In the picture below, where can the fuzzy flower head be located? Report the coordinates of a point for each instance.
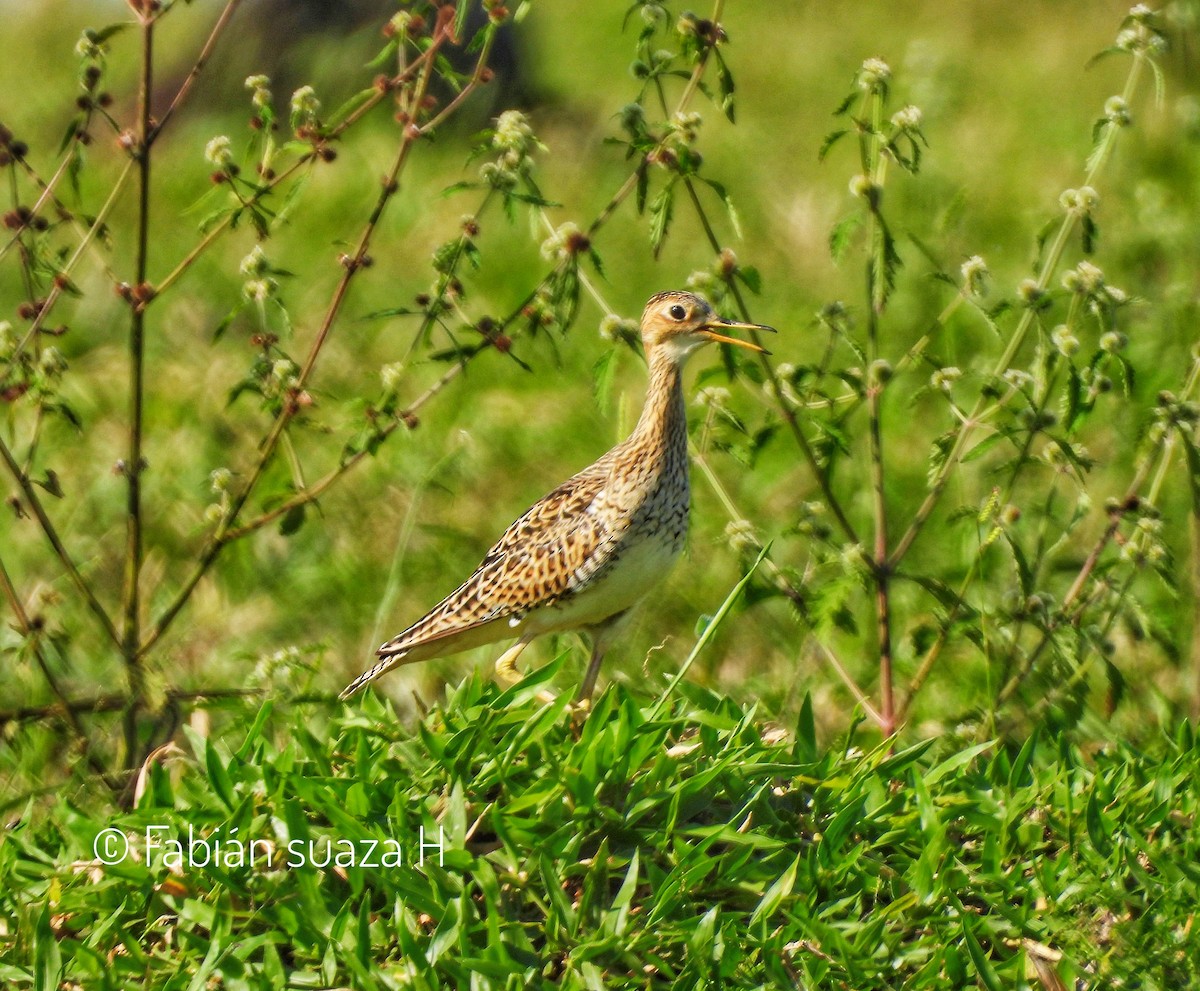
(219, 152)
(712, 396)
(873, 75)
(391, 375)
(1018, 378)
(687, 126)
(975, 275)
(907, 119)
(1081, 202)
(1138, 33)
(565, 243)
(515, 141)
(220, 479)
(255, 264)
(260, 90)
(8, 339)
(741, 535)
(1066, 343)
(52, 363)
(1116, 111)
(944, 378)
(87, 47)
(705, 283)
(285, 371)
(304, 107)
(1031, 294)
(513, 132)
(1113, 341)
(615, 328)
(259, 290)
(1085, 279)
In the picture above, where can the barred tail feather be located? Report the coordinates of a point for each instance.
(385, 663)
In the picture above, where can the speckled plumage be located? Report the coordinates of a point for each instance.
(581, 557)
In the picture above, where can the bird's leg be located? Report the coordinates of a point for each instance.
(602, 635)
(584, 699)
(506, 667)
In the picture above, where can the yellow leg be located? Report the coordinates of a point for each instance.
(507, 672)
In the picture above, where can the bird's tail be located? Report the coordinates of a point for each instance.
(381, 667)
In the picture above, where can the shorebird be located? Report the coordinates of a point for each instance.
(584, 556)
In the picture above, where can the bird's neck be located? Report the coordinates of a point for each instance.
(664, 418)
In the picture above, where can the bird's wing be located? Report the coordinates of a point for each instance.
(536, 562)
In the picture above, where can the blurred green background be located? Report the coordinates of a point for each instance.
(1008, 106)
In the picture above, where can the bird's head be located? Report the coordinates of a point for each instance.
(680, 322)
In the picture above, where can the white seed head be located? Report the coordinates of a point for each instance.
(975, 274)
(219, 151)
(219, 479)
(1029, 292)
(944, 378)
(391, 376)
(305, 102)
(1064, 341)
(1113, 341)
(874, 72)
(555, 247)
(1018, 378)
(254, 264)
(258, 290)
(687, 126)
(713, 396)
(1116, 111)
(741, 535)
(52, 362)
(907, 119)
(513, 132)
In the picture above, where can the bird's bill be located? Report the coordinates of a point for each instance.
(712, 334)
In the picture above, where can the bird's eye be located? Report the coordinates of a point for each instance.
(677, 312)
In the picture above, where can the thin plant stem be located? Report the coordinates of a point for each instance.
(185, 88)
(709, 632)
(69, 266)
(785, 410)
(135, 463)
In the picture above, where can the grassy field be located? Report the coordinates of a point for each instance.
(975, 481)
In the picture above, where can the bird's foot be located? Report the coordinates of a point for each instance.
(580, 709)
(507, 672)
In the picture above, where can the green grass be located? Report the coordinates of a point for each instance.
(702, 847)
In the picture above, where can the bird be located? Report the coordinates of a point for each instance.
(582, 557)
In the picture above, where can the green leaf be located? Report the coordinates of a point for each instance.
(293, 519)
(47, 957)
(955, 761)
(661, 210)
(218, 776)
(725, 87)
(983, 966)
(841, 235)
(775, 894)
(830, 140)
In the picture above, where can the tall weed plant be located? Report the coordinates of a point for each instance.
(977, 500)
